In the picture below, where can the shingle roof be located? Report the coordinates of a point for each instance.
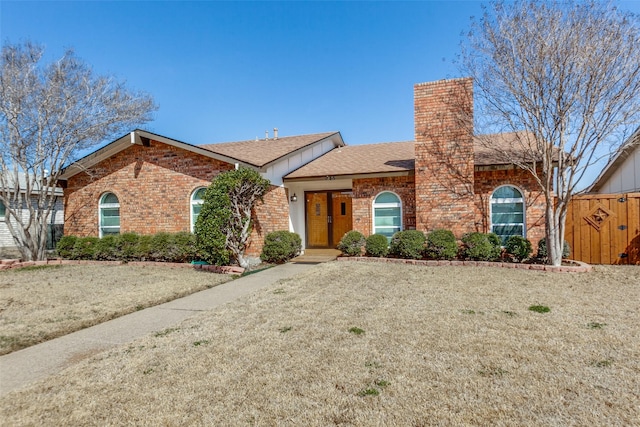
(361, 159)
(391, 157)
(262, 152)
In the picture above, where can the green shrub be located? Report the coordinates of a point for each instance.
(65, 245)
(184, 248)
(143, 248)
(126, 246)
(376, 245)
(84, 248)
(542, 249)
(518, 247)
(407, 244)
(105, 249)
(159, 247)
(280, 246)
(480, 246)
(351, 243)
(441, 244)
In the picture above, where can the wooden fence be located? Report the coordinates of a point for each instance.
(604, 228)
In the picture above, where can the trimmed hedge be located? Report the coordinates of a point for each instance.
(162, 247)
(351, 243)
(407, 244)
(376, 245)
(518, 247)
(280, 246)
(441, 244)
(481, 246)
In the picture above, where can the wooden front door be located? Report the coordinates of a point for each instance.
(328, 217)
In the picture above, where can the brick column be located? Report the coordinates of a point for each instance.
(444, 155)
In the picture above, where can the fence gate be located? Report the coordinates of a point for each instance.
(604, 228)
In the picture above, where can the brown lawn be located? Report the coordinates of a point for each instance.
(371, 344)
(41, 303)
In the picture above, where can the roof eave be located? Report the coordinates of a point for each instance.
(329, 177)
(136, 137)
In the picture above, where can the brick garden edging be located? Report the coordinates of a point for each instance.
(6, 264)
(580, 268)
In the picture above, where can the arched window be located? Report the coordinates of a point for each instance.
(197, 198)
(387, 214)
(507, 212)
(109, 208)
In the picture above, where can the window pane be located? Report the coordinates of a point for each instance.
(507, 207)
(109, 198)
(388, 232)
(199, 195)
(110, 217)
(387, 216)
(107, 231)
(387, 198)
(507, 192)
(3, 210)
(505, 231)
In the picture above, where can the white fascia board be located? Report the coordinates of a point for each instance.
(335, 138)
(354, 176)
(134, 137)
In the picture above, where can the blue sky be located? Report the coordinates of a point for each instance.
(228, 71)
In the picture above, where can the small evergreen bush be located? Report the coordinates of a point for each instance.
(183, 247)
(480, 246)
(518, 247)
(64, 248)
(143, 248)
(159, 247)
(351, 243)
(542, 249)
(441, 244)
(376, 245)
(126, 246)
(105, 249)
(280, 246)
(407, 244)
(84, 248)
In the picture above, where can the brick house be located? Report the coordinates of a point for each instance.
(321, 188)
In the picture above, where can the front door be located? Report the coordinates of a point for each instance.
(328, 217)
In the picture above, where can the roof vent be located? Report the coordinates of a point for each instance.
(275, 133)
(266, 135)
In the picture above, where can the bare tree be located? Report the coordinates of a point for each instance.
(567, 72)
(49, 114)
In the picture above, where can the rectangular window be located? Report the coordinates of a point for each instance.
(343, 208)
(3, 211)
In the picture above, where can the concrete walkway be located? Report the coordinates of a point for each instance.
(21, 368)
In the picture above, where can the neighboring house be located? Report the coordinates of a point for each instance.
(321, 188)
(8, 248)
(622, 173)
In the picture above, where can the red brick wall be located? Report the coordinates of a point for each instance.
(272, 215)
(365, 191)
(485, 184)
(153, 185)
(444, 155)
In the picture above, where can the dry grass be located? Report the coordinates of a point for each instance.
(40, 303)
(369, 344)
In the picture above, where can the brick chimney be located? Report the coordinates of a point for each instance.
(444, 155)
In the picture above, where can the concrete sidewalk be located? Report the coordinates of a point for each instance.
(21, 368)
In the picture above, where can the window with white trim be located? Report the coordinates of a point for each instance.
(109, 209)
(507, 212)
(197, 199)
(387, 214)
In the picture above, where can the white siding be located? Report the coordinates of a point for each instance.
(6, 240)
(626, 179)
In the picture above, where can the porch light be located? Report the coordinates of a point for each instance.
(294, 198)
